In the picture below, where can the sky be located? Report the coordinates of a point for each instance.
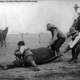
(31, 17)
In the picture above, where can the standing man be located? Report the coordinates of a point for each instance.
(58, 38)
(75, 34)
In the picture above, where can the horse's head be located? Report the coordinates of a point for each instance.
(6, 29)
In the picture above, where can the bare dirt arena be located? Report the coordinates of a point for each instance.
(51, 71)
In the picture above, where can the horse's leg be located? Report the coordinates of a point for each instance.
(5, 43)
(1, 43)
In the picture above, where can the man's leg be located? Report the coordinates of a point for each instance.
(8, 66)
(53, 50)
(75, 53)
(77, 50)
(58, 45)
(16, 63)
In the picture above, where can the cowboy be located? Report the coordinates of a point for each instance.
(74, 45)
(24, 57)
(74, 32)
(58, 38)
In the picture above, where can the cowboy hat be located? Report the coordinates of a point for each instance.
(76, 6)
(51, 26)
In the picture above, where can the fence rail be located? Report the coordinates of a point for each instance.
(31, 40)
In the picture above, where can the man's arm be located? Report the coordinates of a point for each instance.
(73, 43)
(54, 38)
(74, 23)
(17, 55)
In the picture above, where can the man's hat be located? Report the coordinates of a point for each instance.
(21, 43)
(76, 6)
(50, 26)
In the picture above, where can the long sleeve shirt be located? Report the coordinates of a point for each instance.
(21, 55)
(73, 43)
(57, 35)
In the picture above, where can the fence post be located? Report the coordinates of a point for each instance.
(39, 38)
(22, 36)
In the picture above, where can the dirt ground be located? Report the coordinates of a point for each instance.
(51, 71)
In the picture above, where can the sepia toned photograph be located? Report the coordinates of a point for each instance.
(39, 40)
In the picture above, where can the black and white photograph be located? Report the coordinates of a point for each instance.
(39, 39)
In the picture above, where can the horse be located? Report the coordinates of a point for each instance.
(3, 35)
(44, 55)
